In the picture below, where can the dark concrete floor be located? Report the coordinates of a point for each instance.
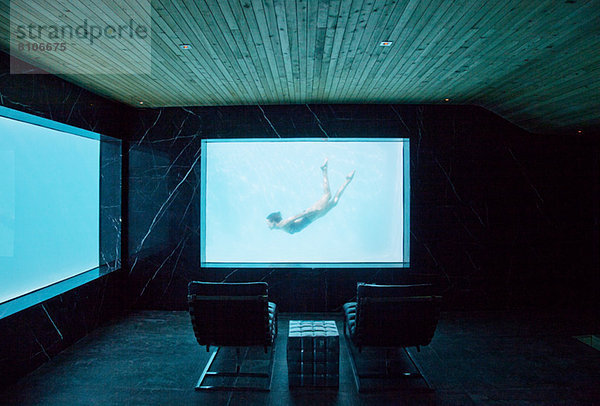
(152, 358)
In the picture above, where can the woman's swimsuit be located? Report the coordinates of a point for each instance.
(298, 224)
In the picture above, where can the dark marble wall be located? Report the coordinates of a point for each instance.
(500, 218)
(32, 336)
(163, 218)
(110, 204)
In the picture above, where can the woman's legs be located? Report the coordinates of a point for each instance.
(324, 200)
(343, 187)
(326, 190)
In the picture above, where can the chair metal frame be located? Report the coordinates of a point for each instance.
(207, 373)
(387, 374)
(237, 374)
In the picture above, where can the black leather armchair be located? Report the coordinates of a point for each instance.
(391, 316)
(232, 315)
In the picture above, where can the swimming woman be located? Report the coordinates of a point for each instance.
(319, 209)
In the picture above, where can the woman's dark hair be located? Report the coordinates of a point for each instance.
(275, 217)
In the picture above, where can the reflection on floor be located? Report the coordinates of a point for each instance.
(152, 358)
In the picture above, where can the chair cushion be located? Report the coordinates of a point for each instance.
(272, 321)
(350, 317)
(379, 291)
(393, 315)
(227, 289)
(232, 314)
(272, 309)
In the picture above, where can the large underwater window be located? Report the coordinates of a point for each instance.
(50, 208)
(310, 202)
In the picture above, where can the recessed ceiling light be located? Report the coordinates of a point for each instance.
(579, 131)
(141, 102)
(446, 100)
(385, 43)
(185, 46)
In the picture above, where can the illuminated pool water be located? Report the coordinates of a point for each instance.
(49, 206)
(246, 180)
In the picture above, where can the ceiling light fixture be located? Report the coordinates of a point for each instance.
(185, 46)
(385, 43)
(141, 102)
(446, 100)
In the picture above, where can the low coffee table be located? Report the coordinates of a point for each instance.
(313, 353)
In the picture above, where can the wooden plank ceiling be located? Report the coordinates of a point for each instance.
(535, 63)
